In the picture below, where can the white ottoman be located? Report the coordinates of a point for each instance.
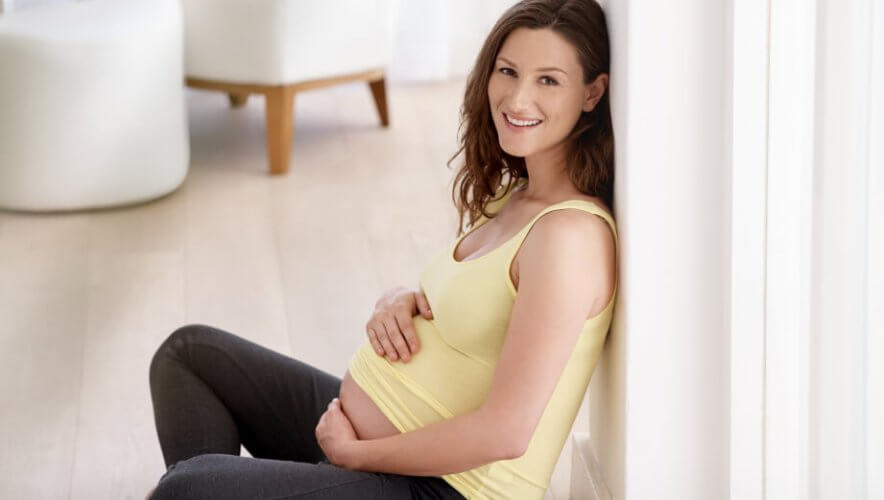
(92, 106)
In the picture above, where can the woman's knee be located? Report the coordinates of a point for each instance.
(186, 479)
(174, 343)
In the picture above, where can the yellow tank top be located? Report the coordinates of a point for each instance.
(451, 373)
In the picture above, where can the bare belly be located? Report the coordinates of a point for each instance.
(367, 419)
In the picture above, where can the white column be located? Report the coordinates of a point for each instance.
(661, 426)
(790, 192)
(748, 246)
(874, 333)
(846, 277)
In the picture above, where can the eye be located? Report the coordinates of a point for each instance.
(548, 80)
(507, 71)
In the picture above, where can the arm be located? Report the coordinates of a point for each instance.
(566, 275)
(445, 447)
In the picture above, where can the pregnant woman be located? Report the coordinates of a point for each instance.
(468, 385)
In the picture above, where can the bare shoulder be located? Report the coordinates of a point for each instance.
(576, 243)
(580, 230)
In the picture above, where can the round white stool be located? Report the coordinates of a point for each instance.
(92, 106)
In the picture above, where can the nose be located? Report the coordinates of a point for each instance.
(521, 96)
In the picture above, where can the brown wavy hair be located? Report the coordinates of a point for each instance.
(590, 149)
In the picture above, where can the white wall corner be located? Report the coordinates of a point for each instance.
(587, 478)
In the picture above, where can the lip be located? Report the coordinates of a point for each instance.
(517, 117)
(516, 128)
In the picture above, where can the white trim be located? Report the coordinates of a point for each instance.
(874, 319)
(837, 402)
(790, 187)
(748, 211)
(587, 478)
(861, 64)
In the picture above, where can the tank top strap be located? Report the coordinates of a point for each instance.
(500, 198)
(584, 205)
(495, 203)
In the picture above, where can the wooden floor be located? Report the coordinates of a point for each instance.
(294, 263)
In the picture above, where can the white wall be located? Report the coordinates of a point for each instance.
(432, 40)
(660, 401)
(745, 359)
(22, 5)
(435, 40)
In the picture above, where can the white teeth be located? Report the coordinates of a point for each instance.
(521, 123)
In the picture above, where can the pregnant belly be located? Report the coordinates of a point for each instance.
(368, 420)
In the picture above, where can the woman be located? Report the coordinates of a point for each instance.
(474, 398)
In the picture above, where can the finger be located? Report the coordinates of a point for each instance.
(373, 338)
(423, 305)
(388, 347)
(406, 326)
(380, 333)
(395, 337)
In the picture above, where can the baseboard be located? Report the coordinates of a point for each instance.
(587, 479)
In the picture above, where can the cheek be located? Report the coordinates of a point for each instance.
(568, 110)
(494, 91)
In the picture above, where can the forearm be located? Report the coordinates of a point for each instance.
(445, 447)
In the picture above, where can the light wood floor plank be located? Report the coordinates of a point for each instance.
(43, 265)
(135, 301)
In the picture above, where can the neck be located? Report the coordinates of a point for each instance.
(547, 176)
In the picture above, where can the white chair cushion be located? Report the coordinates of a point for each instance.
(275, 42)
(92, 109)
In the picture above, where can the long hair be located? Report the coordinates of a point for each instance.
(590, 145)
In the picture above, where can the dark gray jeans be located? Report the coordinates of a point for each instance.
(212, 391)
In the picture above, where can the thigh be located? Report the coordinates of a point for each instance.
(219, 477)
(275, 400)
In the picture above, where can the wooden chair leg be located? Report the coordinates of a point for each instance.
(279, 108)
(237, 100)
(379, 92)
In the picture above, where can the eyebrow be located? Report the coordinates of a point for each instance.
(548, 68)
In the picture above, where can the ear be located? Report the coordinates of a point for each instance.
(594, 92)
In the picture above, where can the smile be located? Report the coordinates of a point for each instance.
(521, 123)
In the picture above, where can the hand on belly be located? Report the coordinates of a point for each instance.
(368, 420)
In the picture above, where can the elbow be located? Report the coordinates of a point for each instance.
(512, 445)
(509, 441)
(515, 450)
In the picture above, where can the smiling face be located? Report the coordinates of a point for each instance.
(536, 91)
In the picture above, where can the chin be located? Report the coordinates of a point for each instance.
(516, 150)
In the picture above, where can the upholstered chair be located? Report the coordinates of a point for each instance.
(278, 48)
